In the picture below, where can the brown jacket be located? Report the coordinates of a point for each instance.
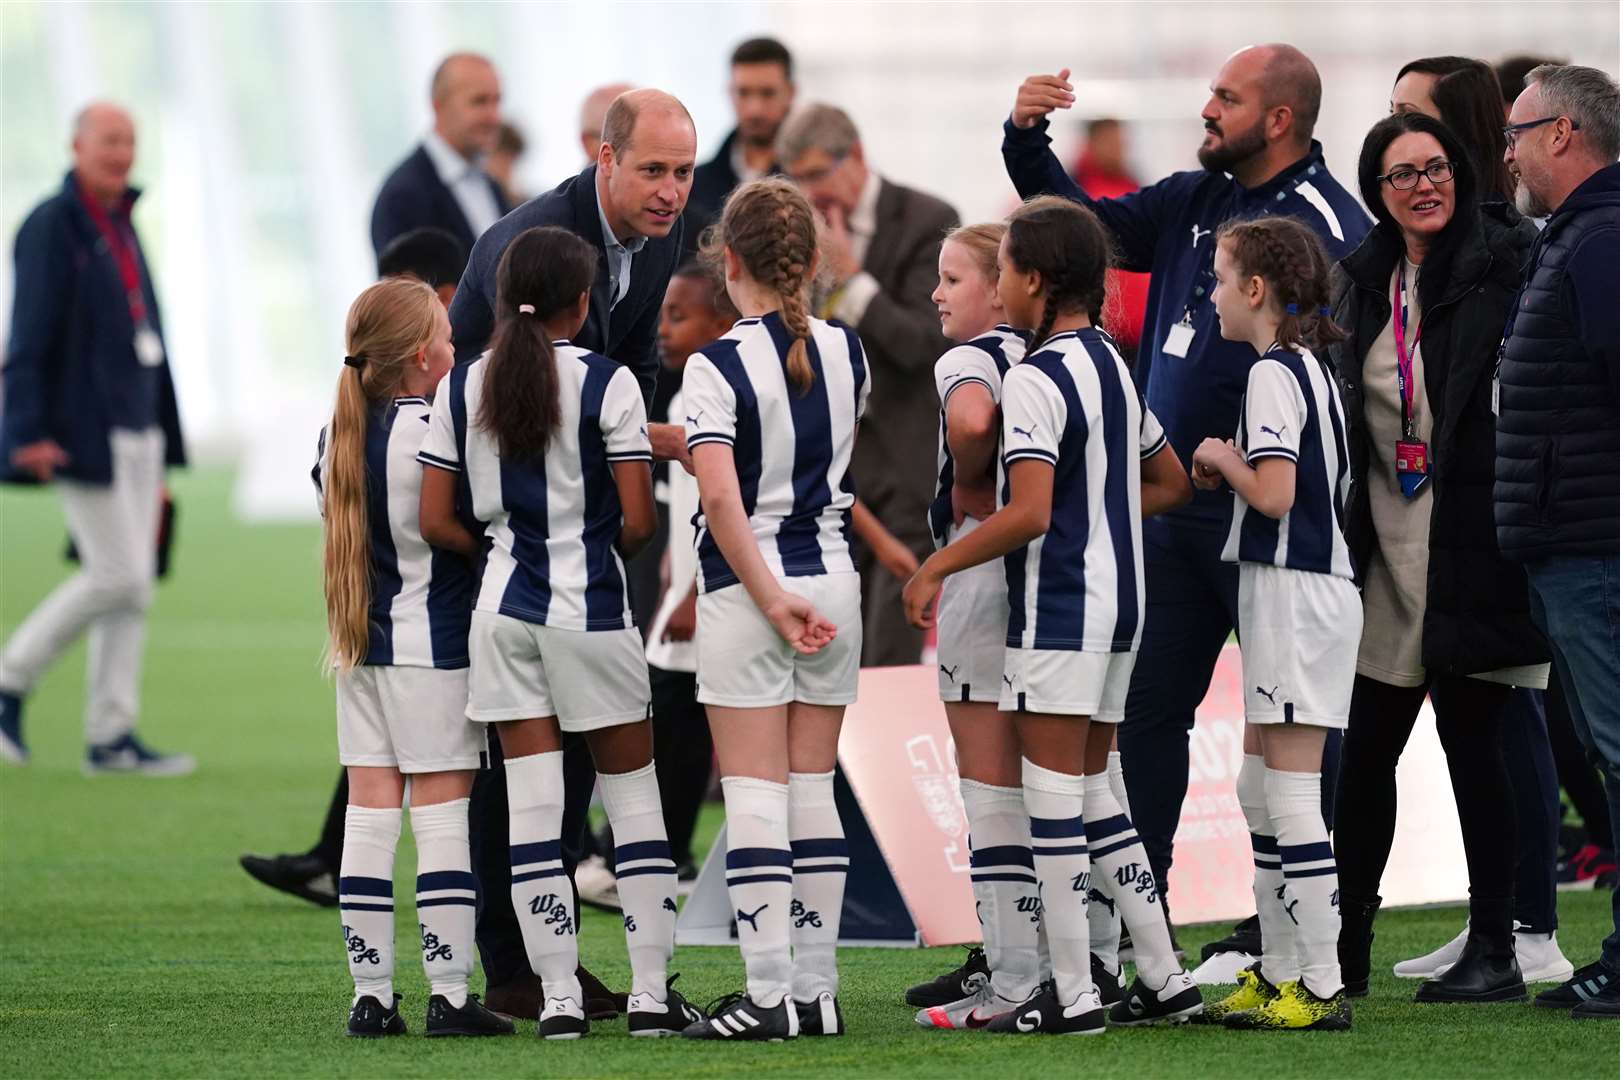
(894, 464)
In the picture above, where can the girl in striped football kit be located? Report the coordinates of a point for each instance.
(1084, 461)
(771, 411)
(549, 443)
(972, 630)
(1289, 471)
(396, 613)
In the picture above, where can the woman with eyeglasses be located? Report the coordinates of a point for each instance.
(1424, 299)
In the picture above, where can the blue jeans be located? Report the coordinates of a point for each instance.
(1575, 599)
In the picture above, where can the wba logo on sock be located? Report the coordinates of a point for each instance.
(432, 948)
(1138, 877)
(803, 916)
(359, 951)
(555, 911)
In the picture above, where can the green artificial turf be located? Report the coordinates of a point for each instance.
(131, 943)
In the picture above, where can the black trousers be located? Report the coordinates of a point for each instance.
(1469, 717)
(1529, 759)
(1577, 774)
(684, 751)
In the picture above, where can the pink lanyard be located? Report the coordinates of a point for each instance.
(1403, 359)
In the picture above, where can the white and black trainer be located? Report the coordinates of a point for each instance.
(1110, 984)
(736, 1017)
(973, 1012)
(369, 1020)
(1177, 1002)
(563, 1018)
(1044, 1014)
(821, 1016)
(650, 1018)
(954, 985)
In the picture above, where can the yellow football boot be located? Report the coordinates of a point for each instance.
(1253, 991)
(1295, 1008)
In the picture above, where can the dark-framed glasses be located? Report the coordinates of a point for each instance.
(1405, 179)
(1512, 131)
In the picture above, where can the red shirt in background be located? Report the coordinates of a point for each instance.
(1127, 293)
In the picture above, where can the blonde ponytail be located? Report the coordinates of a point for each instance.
(388, 326)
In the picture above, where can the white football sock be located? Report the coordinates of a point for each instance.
(1120, 871)
(541, 894)
(366, 899)
(1103, 912)
(1279, 963)
(446, 897)
(1057, 828)
(820, 867)
(646, 875)
(1004, 886)
(759, 878)
(1308, 866)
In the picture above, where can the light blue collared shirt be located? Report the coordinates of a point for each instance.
(619, 255)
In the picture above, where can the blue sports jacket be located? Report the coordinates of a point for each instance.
(1167, 229)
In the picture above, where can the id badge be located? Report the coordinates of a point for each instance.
(1412, 466)
(148, 346)
(1496, 394)
(1178, 340)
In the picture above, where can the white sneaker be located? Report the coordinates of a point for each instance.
(596, 884)
(1222, 968)
(1432, 964)
(563, 1018)
(1540, 958)
(974, 1011)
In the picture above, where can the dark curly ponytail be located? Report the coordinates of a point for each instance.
(1066, 244)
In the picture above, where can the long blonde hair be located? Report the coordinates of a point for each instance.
(388, 325)
(771, 229)
(983, 243)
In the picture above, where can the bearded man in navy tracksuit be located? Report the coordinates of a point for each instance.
(1258, 158)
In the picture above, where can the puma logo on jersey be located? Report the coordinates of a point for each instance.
(1030, 434)
(953, 375)
(1198, 234)
(751, 920)
(1269, 695)
(950, 672)
(1008, 679)
(1275, 434)
(694, 419)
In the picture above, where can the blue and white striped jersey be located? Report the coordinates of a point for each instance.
(981, 362)
(1291, 410)
(552, 525)
(1073, 405)
(792, 450)
(421, 597)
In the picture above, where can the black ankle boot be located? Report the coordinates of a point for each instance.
(1488, 969)
(1356, 914)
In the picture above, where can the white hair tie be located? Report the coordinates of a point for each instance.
(525, 309)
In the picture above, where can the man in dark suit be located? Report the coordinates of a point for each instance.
(761, 95)
(628, 205)
(881, 249)
(441, 184)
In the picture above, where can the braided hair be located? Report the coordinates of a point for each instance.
(1287, 254)
(1066, 244)
(769, 226)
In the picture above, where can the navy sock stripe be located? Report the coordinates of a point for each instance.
(1102, 830)
(637, 871)
(534, 875)
(1118, 845)
(366, 907)
(642, 849)
(1320, 871)
(544, 851)
(754, 879)
(1028, 879)
(823, 868)
(1068, 849)
(740, 858)
(1057, 828)
(819, 847)
(441, 901)
(1321, 849)
(445, 879)
(365, 886)
(1263, 845)
(1005, 855)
